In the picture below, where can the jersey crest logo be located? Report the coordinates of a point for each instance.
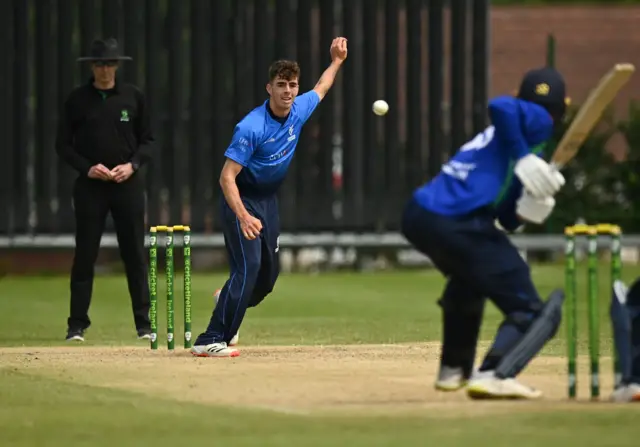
(291, 134)
(124, 115)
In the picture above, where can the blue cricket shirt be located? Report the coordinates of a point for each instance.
(480, 174)
(264, 146)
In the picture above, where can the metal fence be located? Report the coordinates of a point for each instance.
(203, 65)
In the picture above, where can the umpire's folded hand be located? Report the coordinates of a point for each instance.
(99, 172)
(122, 172)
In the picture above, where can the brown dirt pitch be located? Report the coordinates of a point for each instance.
(358, 379)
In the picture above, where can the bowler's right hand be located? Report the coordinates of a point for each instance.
(538, 177)
(99, 172)
(251, 227)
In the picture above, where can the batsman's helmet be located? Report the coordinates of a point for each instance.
(546, 87)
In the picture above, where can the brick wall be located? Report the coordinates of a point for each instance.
(590, 39)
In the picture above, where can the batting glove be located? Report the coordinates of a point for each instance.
(538, 177)
(534, 210)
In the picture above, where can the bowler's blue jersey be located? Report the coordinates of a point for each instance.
(265, 146)
(481, 172)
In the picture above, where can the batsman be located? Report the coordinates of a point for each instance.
(625, 319)
(499, 175)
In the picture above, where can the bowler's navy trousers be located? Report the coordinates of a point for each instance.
(254, 268)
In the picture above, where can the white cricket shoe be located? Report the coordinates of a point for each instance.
(627, 393)
(450, 379)
(485, 385)
(214, 350)
(234, 340)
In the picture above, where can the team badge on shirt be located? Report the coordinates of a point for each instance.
(291, 135)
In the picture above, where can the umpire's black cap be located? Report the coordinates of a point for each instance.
(545, 86)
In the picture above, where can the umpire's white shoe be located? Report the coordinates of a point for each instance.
(627, 393)
(234, 340)
(214, 350)
(485, 385)
(450, 379)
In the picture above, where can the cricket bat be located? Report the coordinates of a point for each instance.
(590, 113)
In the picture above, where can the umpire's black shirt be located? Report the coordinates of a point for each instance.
(109, 127)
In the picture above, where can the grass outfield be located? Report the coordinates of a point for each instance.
(333, 359)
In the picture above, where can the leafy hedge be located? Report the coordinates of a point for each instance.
(599, 188)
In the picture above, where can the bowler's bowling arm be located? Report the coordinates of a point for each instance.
(327, 79)
(228, 175)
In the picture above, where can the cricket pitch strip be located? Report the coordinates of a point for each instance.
(356, 379)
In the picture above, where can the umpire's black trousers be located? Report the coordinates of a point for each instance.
(92, 201)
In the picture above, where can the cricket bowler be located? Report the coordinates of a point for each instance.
(257, 160)
(499, 174)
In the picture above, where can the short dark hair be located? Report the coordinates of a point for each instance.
(284, 69)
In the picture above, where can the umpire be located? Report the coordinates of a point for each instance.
(104, 134)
